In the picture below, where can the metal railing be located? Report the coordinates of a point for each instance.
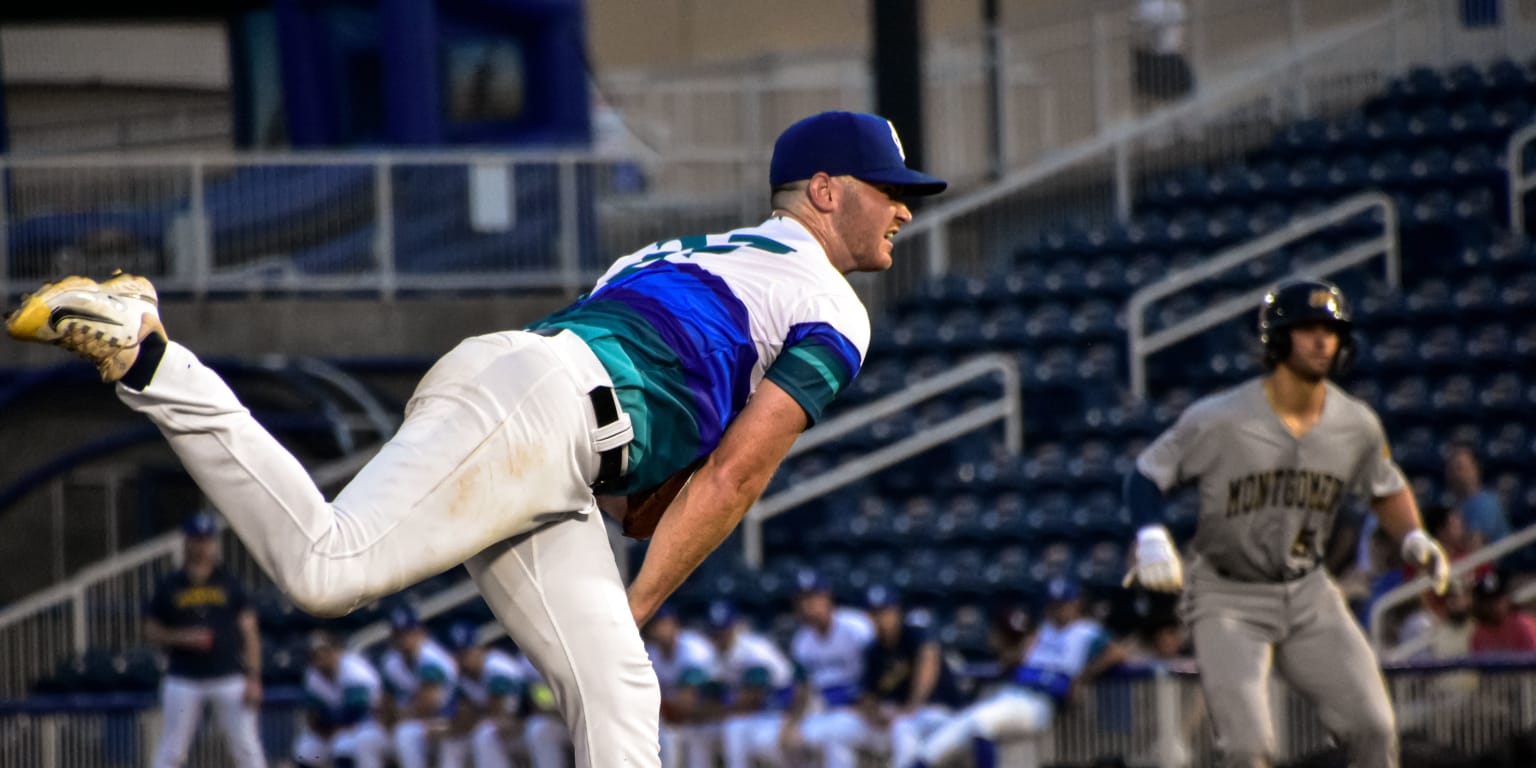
(1404, 593)
(1007, 408)
(1521, 179)
(384, 222)
(1141, 344)
(1096, 178)
(101, 607)
(1146, 715)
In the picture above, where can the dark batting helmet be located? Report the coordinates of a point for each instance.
(1300, 302)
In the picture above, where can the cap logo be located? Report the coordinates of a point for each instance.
(1322, 299)
(897, 141)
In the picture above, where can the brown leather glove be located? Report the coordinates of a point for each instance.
(645, 508)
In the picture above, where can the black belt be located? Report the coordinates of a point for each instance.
(610, 468)
(605, 406)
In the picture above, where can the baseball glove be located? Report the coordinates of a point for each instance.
(644, 509)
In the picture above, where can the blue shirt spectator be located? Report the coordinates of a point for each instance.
(1480, 509)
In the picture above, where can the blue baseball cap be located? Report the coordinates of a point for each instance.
(855, 144)
(721, 615)
(880, 596)
(808, 581)
(463, 635)
(403, 617)
(200, 526)
(1061, 589)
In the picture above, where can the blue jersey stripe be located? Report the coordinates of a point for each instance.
(817, 363)
(701, 320)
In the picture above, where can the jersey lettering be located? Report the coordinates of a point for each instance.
(1301, 489)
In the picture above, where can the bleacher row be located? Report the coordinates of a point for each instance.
(1450, 357)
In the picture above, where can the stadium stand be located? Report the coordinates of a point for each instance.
(1450, 357)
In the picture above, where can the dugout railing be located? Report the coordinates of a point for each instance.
(101, 607)
(1149, 715)
(1141, 343)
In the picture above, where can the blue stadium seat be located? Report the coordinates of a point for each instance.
(1103, 566)
(1056, 559)
(1505, 78)
(1443, 348)
(1049, 322)
(1409, 398)
(1464, 83)
(1455, 398)
(1525, 343)
(961, 330)
(1389, 127)
(1094, 465)
(1505, 450)
(959, 521)
(1429, 167)
(1430, 124)
(1007, 575)
(1005, 327)
(1473, 121)
(1067, 280)
(1389, 168)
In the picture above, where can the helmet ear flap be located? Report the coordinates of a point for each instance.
(1277, 347)
(1344, 359)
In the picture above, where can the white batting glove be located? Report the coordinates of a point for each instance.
(1157, 565)
(1423, 551)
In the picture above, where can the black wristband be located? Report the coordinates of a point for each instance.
(151, 350)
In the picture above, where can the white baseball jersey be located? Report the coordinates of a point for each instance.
(433, 665)
(688, 328)
(833, 663)
(351, 697)
(753, 661)
(692, 662)
(1268, 499)
(1067, 649)
(501, 675)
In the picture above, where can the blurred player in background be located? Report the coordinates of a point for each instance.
(828, 652)
(485, 709)
(907, 691)
(1274, 459)
(200, 617)
(685, 666)
(677, 385)
(756, 685)
(1067, 650)
(343, 693)
(421, 676)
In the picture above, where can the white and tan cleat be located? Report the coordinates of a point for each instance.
(102, 322)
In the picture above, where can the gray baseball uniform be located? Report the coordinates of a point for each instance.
(1256, 595)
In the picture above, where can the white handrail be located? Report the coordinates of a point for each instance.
(1140, 345)
(1007, 408)
(1520, 180)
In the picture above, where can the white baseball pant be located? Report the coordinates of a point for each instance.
(490, 468)
(548, 741)
(413, 744)
(365, 744)
(482, 747)
(1011, 713)
(181, 707)
(902, 738)
(689, 746)
(749, 737)
(832, 733)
